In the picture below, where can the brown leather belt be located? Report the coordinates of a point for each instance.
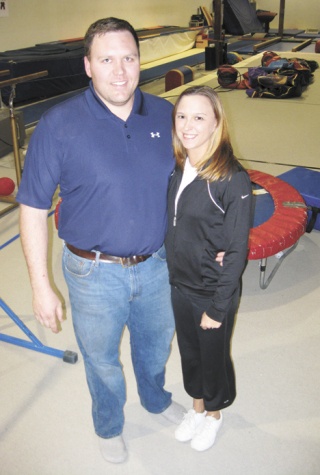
(124, 261)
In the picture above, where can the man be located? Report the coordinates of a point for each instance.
(109, 150)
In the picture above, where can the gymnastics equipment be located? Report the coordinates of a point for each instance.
(210, 58)
(281, 17)
(265, 17)
(217, 33)
(12, 83)
(240, 18)
(33, 343)
(63, 60)
(278, 43)
(6, 145)
(177, 77)
(307, 182)
(7, 186)
(279, 235)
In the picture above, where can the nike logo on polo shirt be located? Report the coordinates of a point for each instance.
(244, 196)
(155, 134)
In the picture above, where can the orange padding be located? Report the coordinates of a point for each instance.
(286, 225)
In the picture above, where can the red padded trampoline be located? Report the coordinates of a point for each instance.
(278, 235)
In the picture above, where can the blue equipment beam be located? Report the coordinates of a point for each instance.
(34, 343)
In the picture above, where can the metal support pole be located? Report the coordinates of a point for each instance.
(34, 343)
(217, 32)
(281, 17)
(263, 281)
(15, 140)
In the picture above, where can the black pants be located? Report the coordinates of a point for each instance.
(207, 366)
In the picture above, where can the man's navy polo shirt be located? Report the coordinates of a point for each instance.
(113, 175)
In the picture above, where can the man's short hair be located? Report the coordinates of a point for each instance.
(107, 25)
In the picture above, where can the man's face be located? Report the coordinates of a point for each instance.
(114, 66)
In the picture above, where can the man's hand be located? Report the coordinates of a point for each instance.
(34, 238)
(48, 310)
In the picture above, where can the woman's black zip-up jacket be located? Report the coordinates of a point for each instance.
(210, 217)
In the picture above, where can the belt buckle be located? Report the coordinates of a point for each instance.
(125, 262)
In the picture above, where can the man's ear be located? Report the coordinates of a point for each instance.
(87, 66)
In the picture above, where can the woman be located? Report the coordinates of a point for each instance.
(209, 212)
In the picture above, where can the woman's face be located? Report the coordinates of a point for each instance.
(195, 124)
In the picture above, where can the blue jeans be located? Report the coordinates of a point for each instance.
(104, 298)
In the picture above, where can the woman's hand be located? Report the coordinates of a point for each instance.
(208, 323)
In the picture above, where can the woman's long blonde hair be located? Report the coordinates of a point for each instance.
(219, 160)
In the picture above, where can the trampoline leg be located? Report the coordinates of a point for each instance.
(34, 344)
(263, 266)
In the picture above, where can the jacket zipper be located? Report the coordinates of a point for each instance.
(176, 209)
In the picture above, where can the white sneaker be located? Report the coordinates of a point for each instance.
(205, 437)
(113, 450)
(188, 427)
(174, 413)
